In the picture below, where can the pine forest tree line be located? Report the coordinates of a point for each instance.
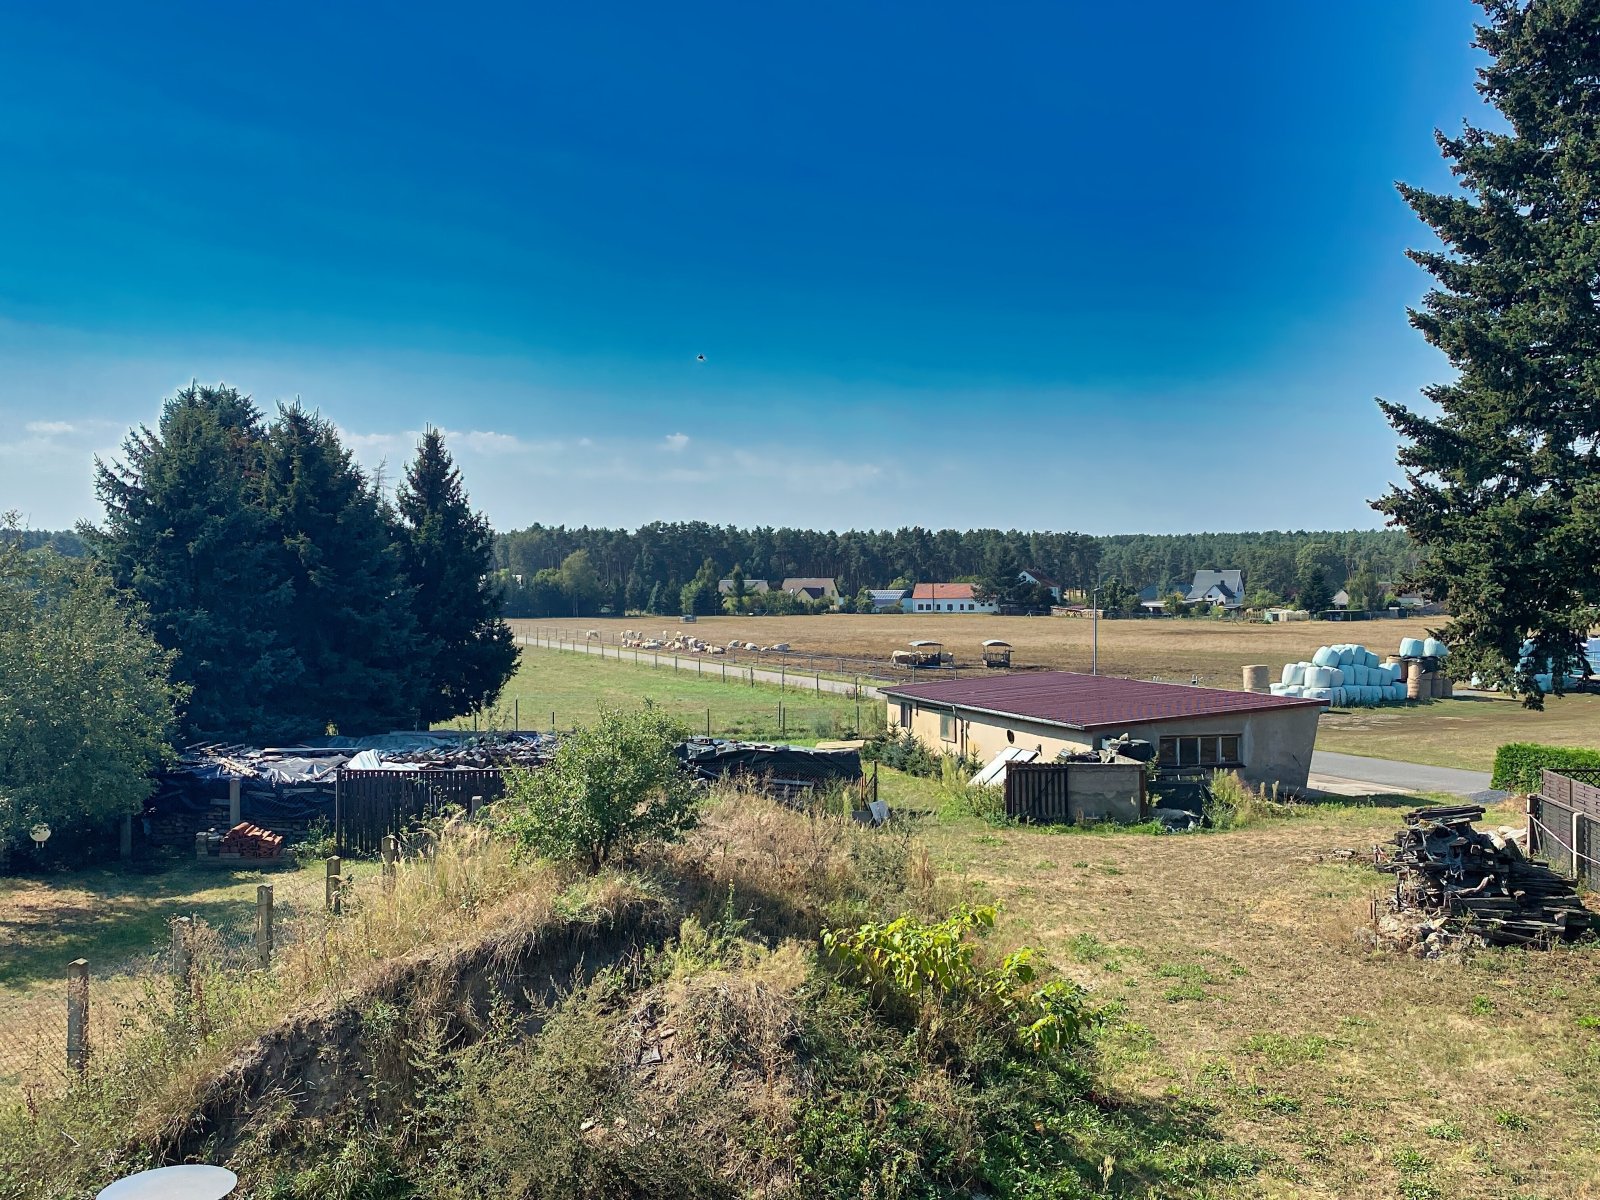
(561, 571)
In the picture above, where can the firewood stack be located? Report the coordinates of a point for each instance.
(251, 841)
(1480, 882)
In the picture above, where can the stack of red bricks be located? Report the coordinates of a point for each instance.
(251, 841)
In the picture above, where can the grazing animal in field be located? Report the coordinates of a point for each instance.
(592, 636)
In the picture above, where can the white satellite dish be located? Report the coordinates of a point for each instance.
(193, 1181)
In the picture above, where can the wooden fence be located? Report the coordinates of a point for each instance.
(369, 805)
(1564, 823)
(1075, 793)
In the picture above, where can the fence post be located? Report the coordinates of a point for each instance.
(78, 1014)
(783, 675)
(181, 927)
(233, 801)
(819, 683)
(391, 852)
(708, 722)
(516, 714)
(264, 925)
(474, 803)
(331, 886)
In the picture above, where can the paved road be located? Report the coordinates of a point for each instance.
(712, 667)
(1410, 777)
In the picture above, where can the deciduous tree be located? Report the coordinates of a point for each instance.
(86, 705)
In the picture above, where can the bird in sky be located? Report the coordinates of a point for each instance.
(699, 358)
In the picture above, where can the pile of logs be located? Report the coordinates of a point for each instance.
(251, 841)
(1479, 882)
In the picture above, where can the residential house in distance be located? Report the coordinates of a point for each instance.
(1039, 579)
(1151, 599)
(1225, 588)
(752, 587)
(888, 599)
(1267, 739)
(812, 588)
(945, 598)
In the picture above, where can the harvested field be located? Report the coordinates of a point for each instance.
(1172, 650)
(1250, 996)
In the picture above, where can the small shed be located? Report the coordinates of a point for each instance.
(996, 653)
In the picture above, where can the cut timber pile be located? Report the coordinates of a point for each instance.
(1480, 883)
(251, 841)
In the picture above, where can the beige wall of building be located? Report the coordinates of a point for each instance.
(1275, 745)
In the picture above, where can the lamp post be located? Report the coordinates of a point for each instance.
(1094, 616)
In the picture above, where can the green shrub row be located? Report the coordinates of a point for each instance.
(1517, 764)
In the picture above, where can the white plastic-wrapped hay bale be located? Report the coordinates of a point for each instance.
(1318, 694)
(1411, 647)
(1294, 674)
(1434, 648)
(1327, 656)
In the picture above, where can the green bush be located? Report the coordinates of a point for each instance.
(905, 751)
(932, 967)
(610, 787)
(1517, 764)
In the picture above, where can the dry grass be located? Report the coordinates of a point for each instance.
(1159, 649)
(1460, 733)
(1239, 960)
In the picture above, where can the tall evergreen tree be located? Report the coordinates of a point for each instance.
(349, 612)
(183, 532)
(447, 555)
(1503, 487)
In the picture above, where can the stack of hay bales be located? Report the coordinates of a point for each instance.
(1346, 676)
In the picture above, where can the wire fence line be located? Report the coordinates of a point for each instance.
(49, 1027)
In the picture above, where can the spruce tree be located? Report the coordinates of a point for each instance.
(349, 611)
(447, 554)
(184, 534)
(1502, 488)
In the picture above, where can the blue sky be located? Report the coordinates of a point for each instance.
(1045, 266)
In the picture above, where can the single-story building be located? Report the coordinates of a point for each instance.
(752, 587)
(945, 598)
(1152, 598)
(1267, 739)
(812, 588)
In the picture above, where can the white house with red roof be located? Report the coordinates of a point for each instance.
(945, 598)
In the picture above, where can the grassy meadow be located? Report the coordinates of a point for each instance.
(575, 687)
(1250, 995)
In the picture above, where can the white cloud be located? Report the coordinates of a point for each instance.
(676, 442)
(51, 428)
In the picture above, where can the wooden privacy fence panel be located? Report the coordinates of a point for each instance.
(1053, 793)
(1578, 791)
(369, 805)
(1564, 825)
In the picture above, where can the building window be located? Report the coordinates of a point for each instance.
(1201, 750)
(947, 727)
(905, 714)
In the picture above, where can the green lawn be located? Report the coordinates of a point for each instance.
(111, 914)
(1463, 732)
(567, 689)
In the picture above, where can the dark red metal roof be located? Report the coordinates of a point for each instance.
(1090, 701)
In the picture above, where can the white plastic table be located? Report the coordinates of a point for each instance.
(192, 1181)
